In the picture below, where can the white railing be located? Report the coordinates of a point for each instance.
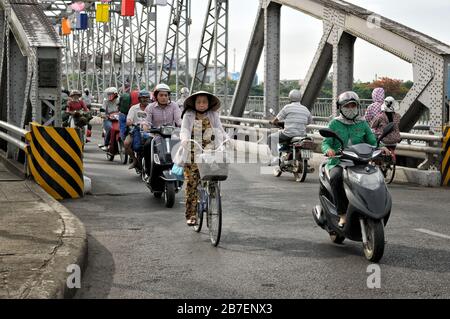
(16, 131)
(263, 126)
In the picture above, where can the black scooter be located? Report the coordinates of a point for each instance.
(160, 179)
(369, 199)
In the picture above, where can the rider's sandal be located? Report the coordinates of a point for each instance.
(191, 222)
(342, 222)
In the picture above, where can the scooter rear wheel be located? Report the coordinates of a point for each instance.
(110, 157)
(277, 172)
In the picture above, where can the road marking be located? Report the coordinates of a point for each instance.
(432, 233)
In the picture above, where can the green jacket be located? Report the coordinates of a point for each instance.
(358, 133)
(125, 103)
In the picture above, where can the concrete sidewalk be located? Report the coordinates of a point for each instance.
(39, 239)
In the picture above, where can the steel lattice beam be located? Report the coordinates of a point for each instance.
(176, 49)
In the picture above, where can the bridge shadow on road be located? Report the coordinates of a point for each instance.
(417, 258)
(288, 247)
(99, 274)
(396, 255)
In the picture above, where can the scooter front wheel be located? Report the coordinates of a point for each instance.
(170, 195)
(122, 153)
(374, 249)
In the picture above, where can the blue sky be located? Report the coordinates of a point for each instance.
(301, 34)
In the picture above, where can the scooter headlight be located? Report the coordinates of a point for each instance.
(156, 159)
(167, 130)
(368, 181)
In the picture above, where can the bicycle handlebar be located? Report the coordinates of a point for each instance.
(201, 147)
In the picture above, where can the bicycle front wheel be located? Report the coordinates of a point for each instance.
(214, 213)
(201, 207)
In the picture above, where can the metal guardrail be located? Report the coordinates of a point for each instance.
(406, 136)
(15, 130)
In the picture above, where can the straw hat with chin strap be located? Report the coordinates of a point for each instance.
(214, 102)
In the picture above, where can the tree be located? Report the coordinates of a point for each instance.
(392, 87)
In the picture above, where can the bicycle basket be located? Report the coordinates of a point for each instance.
(213, 166)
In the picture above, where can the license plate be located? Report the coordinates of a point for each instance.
(306, 154)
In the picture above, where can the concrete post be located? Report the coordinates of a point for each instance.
(272, 57)
(343, 53)
(249, 67)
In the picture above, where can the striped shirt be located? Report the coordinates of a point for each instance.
(296, 117)
(158, 116)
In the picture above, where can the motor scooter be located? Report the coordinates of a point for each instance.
(116, 146)
(159, 179)
(369, 200)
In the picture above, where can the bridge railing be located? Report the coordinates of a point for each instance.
(11, 137)
(431, 144)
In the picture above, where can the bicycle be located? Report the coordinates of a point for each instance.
(387, 165)
(212, 172)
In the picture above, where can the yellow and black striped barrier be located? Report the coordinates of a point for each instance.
(55, 160)
(446, 155)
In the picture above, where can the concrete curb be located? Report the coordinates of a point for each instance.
(72, 250)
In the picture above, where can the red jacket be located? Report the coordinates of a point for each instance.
(79, 105)
(134, 97)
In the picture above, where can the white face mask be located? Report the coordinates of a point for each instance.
(350, 113)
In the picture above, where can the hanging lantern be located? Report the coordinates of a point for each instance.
(65, 26)
(82, 21)
(102, 13)
(77, 6)
(127, 8)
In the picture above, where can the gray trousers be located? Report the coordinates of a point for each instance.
(277, 138)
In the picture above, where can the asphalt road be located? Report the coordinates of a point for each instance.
(270, 246)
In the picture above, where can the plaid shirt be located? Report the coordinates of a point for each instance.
(158, 116)
(372, 112)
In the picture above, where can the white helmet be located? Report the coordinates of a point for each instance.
(184, 91)
(161, 88)
(389, 105)
(295, 96)
(112, 90)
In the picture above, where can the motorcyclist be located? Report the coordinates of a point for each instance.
(352, 129)
(135, 117)
(184, 94)
(162, 112)
(87, 98)
(77, 105)
(110, 105)
(296, 117)
(387, 116)
(124, 107)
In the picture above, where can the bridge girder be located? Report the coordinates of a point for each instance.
(342, 24)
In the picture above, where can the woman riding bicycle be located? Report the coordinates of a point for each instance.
(201, 122)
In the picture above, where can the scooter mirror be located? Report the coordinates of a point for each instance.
(326, 132)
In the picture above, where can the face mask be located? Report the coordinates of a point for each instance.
(350, 113)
